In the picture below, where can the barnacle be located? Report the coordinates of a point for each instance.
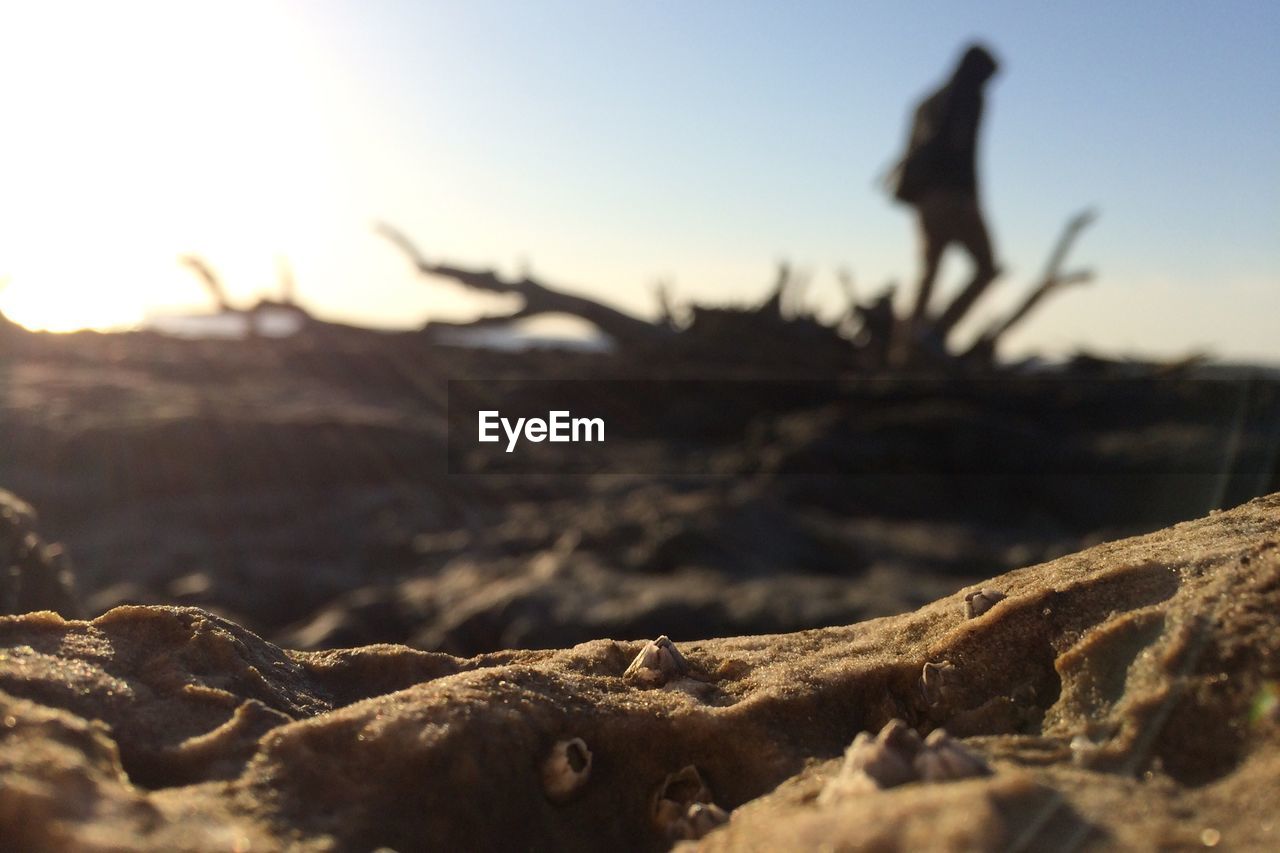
(682, 806)
(872, 763)
(657, 663)
(937, 682)
(943, 758)
(566, 768)
(899, 736)
(698, 820)
(897, 756)
(980, 601)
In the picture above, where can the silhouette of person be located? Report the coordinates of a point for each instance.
(938, 177)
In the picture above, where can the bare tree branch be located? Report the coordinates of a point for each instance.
(288, 287)
(772, 305)
(666, 310)
(844, 276)
(1053, 279)
(538, 298)
(210, 280)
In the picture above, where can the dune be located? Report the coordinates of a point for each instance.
(1121, 697)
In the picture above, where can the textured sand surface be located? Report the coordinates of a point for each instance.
(1124, 696)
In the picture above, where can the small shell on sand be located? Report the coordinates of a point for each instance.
(943, 758)
(897, 756)
(566, 769)
(980, 601)
(899, 736)
(682, 806)
(873, 763)
(658, 662)
(937, 681)
(699, 819)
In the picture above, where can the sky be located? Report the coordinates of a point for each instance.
(607, 146)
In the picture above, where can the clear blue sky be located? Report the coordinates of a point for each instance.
(607, 145)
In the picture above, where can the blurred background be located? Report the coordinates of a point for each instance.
(246, 248)
(608, 146)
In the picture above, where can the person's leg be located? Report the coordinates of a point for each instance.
(933, 240)
(936, 232)
(971, 233)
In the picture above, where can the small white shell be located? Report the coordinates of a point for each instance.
(942, 758)
(864, 763)
(658, 662)
(873, 763)
(937, 681)
(1083, 750)
(898, 736)
(897, 756)
(699, 819)
(566, 768)
(885, 765)
(980, 601)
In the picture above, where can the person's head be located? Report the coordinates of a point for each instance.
(977, 65)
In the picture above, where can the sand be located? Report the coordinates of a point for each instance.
(1124, 697)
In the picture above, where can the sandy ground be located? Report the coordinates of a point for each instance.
(1124, 697)
(303, 619)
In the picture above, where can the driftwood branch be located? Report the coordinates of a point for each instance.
(772, 305)
(848, 287)
(1033, 299)
(876, 322)
(254, 315)
(209, 279)
(538, 298)
(1052, 280)
(485, 322)
(288, 286)
(786, 299)
(797, 289)
(666, 308)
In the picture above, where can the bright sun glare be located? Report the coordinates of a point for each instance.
(137, 132)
